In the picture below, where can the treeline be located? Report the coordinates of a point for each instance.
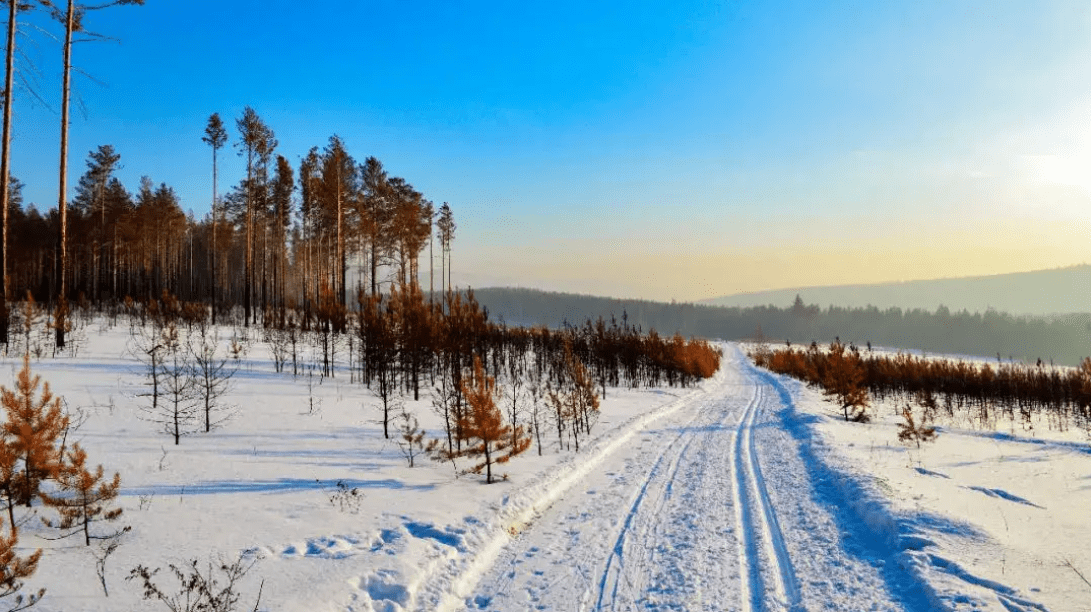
(406, 342)
(1064, 340)
(983, 390)
(269, 244)
(400, 345)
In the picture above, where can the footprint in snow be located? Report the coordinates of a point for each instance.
(450, 536)
(384, 537)
(333, 547)
(382, 589)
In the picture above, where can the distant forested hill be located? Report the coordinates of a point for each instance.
(1064, 339)
(1042, 292)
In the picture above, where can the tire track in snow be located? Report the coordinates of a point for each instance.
(752, 498)
(677, 544)
(669, 545)
(750, 586)
(611, 574)
(672, 537)
(450, 588)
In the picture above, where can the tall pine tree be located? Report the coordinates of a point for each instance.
(216, 137)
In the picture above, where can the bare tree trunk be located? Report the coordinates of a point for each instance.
(340, 237)
(431, 265)
(215, 222)
(116, 264)
(306, 265)
(249, 235)
(264, 267)
(61, 203)
(374, 259)
(5, 155)
(100, 252)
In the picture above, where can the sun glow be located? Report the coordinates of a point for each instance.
(1072, 171)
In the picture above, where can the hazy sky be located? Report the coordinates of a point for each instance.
(681, 149)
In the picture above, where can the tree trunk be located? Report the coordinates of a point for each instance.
(214, 278)
(249, 234)
(431, 265)
(488, 464)
(340, 238)
(5, 156)
(61, 204)
(374, 264)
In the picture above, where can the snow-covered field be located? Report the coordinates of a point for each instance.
(747, 493)
(991, 516)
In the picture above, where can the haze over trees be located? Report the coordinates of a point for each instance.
(1062, 339)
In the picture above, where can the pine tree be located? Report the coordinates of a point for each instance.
(408, 230)
(484, 422)
(14, 6)
(309, 186)
(73, 22)
(412, 437)
(446, 233)
(216, 137)
(179, 417)
(374, 214)
(843, 382)
(576, 407)
(913, 431)
(91, 202)
(336, 192)
(283, 186)
(14, 569)
(257, 142)
(83, 497)
(32, 430)
(9, 479)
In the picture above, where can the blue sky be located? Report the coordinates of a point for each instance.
(643, 149)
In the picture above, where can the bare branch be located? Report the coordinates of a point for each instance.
(1069, 565)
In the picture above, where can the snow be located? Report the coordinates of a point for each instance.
(987, 517)
(745, 493)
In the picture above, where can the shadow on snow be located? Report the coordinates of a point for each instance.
(842, 495)
(280, 485)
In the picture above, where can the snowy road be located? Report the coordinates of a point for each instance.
(712, 508)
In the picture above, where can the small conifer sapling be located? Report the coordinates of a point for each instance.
(32, 429)
(497, 443)
(912, 431)
(83, 497)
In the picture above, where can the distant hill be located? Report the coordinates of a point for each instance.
(1042, 292)
(1065, 339)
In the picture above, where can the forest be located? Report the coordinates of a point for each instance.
(985, 392)
(1062, 340)
(261, 248)
(268, 244)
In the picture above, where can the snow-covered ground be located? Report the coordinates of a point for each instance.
(989, 515)
(747, 493)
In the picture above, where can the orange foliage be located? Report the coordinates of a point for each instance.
(497, 441)
(13, 570)
(83, 495)
(1063, 393)
(31, 431)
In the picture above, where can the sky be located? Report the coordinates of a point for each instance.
(661, 150)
